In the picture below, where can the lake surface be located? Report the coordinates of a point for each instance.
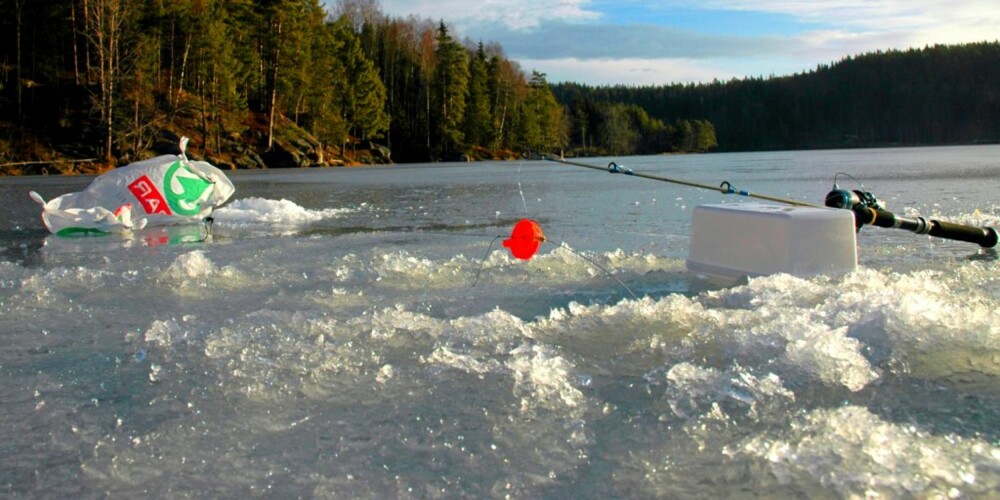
(361, 333)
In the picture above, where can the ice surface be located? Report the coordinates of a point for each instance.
(331, 362)
(261, 210)
(854, 453)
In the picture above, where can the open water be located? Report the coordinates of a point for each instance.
(327, 340)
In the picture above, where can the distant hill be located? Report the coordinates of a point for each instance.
(945, 94)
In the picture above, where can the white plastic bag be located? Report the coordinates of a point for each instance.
(167, 189)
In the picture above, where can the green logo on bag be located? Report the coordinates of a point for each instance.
(184, 190)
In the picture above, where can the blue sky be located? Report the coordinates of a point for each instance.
(684, 41)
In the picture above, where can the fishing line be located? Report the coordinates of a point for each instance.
(519, 189)
(592, 261)
(482, 263)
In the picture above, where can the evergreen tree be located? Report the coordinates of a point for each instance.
(114, 73)
(286, 55)
(217, 70)
(542, 121)
(451, 87)
(478, 119)
(323, 102)
(363, 98)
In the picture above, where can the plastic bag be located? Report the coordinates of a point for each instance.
(168, 189)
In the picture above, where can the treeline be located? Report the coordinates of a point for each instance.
(931, 96)
(121, 72)
(259, 81)
(451, 100)
(605, 127)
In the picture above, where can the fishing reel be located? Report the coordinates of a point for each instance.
(868, 210)
(842, 198)
(857, 201)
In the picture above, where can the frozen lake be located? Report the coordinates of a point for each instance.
(326, 340)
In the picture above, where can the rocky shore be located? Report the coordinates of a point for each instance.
(28, 153)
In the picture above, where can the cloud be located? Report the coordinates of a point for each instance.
(943, 20)
(514, 14)
(642, 41)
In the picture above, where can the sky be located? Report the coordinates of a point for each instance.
(647, 42)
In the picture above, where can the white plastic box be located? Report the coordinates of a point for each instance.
(738, 240)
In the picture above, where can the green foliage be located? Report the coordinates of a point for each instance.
(451, 89)
(225, 67)
(362, 94)
(542, 119)
(478, 114)
(615, 128)
(943, 94)
(323, 104)
(507, 89)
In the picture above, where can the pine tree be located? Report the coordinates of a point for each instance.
(451, 86)
(224, 108)
(285, 52)
(543, 119)
(478, 119)
(363, 98)
(323, 102)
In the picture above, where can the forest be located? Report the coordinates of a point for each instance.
(273, 83)
(87, 85)
(936, 95)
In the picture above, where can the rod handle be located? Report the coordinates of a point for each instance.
(985, 237)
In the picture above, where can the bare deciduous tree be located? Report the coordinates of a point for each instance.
(105, 22)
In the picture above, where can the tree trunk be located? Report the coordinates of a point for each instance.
(106, 18)
(109, 98)
(76, 54)
(427, 116)
(503, 120)
(170, 62)
(184, 59)
(217, 112)
(86, 46)
(204, 117)
(137, 129)
(18, 13)
(272, 106)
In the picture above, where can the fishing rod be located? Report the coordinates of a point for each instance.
(724, 188)
(867, 209)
